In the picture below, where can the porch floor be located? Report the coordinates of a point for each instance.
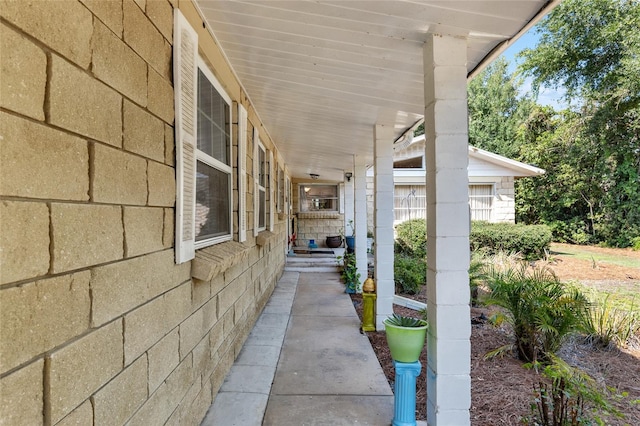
(305, 363)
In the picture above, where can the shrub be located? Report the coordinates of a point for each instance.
(530, 240)
(411, 238)
(607, 325)
(563, 398)
(635, 244)
(410, 273)
(541, 309)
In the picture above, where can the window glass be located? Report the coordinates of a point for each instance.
(481, 201)
(213, 121)
(318, 197)
(212, 202)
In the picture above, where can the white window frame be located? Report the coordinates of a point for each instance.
(257, 147)
(242, 173)
(338, 198)
(491, 196)
(217, 164)
(186, 63)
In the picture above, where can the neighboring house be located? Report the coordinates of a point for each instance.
(148, 150)
(491, 184)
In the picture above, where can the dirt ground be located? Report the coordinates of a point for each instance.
(501, 389)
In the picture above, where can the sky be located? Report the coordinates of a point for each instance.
(547, 96)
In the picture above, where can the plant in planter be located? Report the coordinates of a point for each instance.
(351, 239)
(350, 274)
(405, 337)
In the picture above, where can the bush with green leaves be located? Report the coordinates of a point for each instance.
(533, 241)
(608, 325)
(411, 238)
(565, 396)
(542, 310)
(410, 273)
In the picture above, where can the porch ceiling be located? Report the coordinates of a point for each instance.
(321, 74)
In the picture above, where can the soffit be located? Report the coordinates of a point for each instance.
(321, 74)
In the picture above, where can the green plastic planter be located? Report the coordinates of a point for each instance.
(405, 343)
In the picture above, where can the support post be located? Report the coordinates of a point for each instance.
(383, 221)
(360, 188)
(446, 153)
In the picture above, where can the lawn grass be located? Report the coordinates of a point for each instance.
(584, 253)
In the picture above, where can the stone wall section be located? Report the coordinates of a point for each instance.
(98, 325)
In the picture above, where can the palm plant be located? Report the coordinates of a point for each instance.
(542, 310)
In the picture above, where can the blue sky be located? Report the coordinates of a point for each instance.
(547, 96)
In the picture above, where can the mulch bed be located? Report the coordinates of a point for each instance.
(501, 389)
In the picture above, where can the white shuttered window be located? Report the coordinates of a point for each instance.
(203, 149)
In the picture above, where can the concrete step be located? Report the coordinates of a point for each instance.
(296, 268)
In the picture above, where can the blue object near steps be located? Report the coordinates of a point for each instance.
(404, 389)
(312, 244)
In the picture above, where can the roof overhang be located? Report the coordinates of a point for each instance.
(322, 74)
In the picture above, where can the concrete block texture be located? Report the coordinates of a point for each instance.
(82, 104)
(24, 240)
(119, 287)
(118, 65)
(145, 39)
(24, 74)
(166, 398)
(116, 402)
(64, 26)
(85, 235)
(143, 228)
(40, 162)
(109, 12)
(118, 177)
(83, 415)
(162, 185)
(21, 396)
(39, 316)
(143, 133)
(160, 96)
(81, 368)
(148, 324)
(161, 14)
(163, 359)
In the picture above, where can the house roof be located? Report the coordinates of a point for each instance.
(322, 74)
(500, 165)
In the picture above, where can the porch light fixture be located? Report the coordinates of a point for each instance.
(348, 175)
(314, 176)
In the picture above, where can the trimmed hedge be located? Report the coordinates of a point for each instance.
(409, 273)
(411, 238)
(530, 240)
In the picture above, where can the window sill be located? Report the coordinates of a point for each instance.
(319, 215)
(263, 238)
(212, 260)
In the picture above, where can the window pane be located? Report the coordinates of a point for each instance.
(212, 202)
(262, 164)
(481, 201)
(318, 197)
(262, 212)
(213, 121)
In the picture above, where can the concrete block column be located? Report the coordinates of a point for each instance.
(383, 220)
(448, 338)
(359, 180)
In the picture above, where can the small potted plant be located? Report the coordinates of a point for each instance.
(350, 240)
(350, 274)
(405, 337)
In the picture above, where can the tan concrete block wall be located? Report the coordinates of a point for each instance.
(101, 325)
(24, 74)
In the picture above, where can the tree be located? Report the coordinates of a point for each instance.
(592, 48)
(496, 109)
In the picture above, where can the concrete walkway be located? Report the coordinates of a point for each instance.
(305, 363)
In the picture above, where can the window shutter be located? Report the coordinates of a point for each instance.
(185, 71)
(341, 198)
(242, 173)
(272, 192)
(256, 182)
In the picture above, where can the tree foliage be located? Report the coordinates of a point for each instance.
(495, 109)
(591, 191)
